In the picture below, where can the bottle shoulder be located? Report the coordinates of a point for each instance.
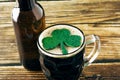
(37, 12)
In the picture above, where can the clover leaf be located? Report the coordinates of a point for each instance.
(61, 38)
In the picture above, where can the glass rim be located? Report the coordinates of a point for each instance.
(43, 51)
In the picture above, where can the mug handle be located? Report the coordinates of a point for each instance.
(95, 51)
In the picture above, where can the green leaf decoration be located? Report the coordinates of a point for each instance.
(64, 51)
(73, 41)
(61, 38)
(50, 43)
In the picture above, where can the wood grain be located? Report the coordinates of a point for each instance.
(110, 43)
(108, 31)
(100, 17)
(100, 71)
(70, 12)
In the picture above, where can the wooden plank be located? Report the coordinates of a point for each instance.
(93, 17)
(93, 72)
(109, 35)
(72, 12)
(93, 1)
(103, 29)
(108, 30)
(18, 72)
(102, 71)
(110, 51)
(83, 13)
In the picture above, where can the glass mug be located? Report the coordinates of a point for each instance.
(57, 66)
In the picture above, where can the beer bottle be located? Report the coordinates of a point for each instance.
(29, 20)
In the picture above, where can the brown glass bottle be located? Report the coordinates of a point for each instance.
(29, 20)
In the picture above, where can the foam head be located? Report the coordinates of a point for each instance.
(56, 52)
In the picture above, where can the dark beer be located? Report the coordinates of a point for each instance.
(57, 66)
(29, 21)
(63, 69)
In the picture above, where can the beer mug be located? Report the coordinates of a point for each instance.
(68, 66)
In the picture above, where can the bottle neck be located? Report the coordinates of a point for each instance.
(26, 5)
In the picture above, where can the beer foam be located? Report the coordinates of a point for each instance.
(57, 51)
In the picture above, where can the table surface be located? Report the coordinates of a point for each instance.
(92, 16)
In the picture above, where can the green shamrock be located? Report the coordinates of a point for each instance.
(61, 38)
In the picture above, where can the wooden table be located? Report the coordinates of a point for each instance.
(92, 16)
